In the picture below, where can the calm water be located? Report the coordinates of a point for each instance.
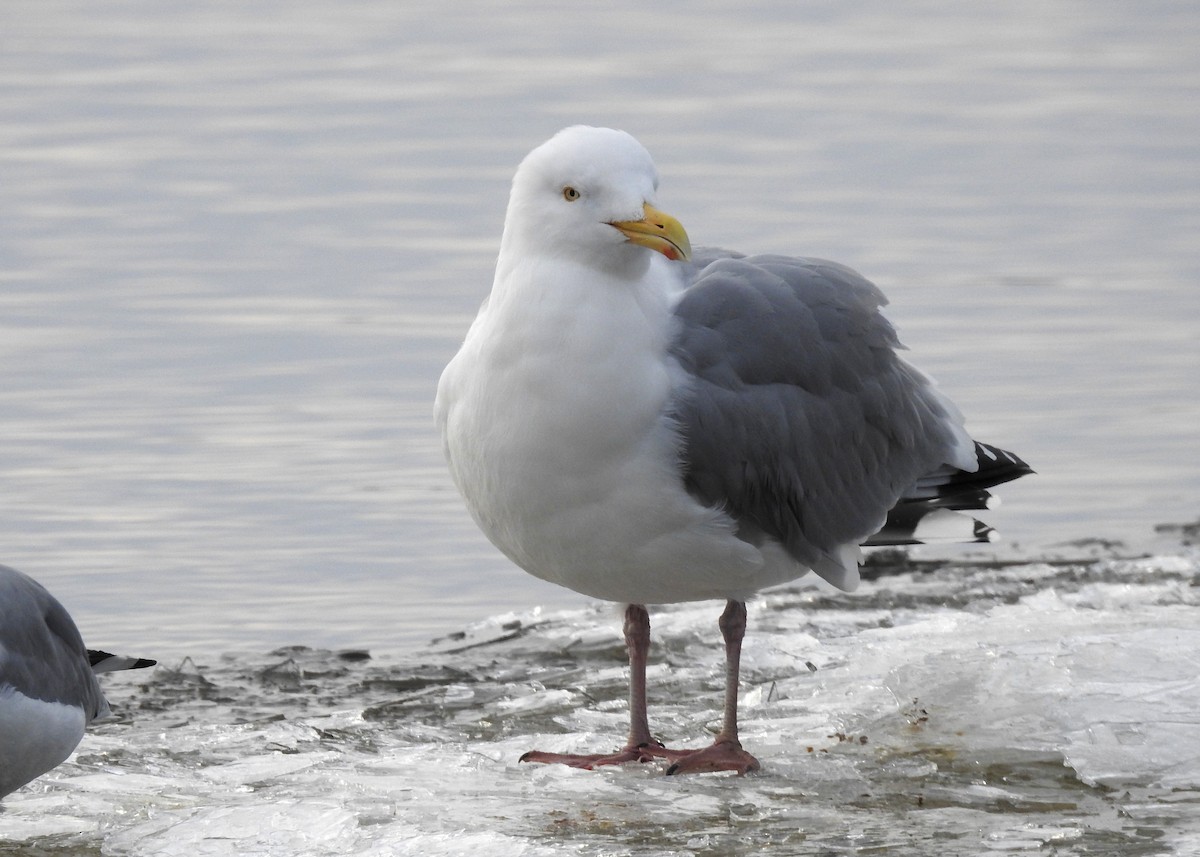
(239, 241)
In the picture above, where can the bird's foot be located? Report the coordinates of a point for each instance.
(723, 755)
(643, 752)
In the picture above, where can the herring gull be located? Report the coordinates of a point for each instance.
(647, 425)
(48, 687)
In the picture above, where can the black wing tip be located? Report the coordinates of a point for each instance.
(984, 533)
(995, 466)
(907, 525)
(999, 465)
(120, 662)
(932, 513)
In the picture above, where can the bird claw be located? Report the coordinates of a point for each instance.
(644, 752)
(721, 756)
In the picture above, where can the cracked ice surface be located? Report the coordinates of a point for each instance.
(1050, 708)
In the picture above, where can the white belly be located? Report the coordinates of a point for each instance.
(555, 423)
(35, 736)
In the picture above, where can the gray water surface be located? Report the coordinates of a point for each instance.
(239, 243)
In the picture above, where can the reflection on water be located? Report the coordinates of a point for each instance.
(237, 245)
(238, 248)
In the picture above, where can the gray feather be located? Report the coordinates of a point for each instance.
(41, 653)
(800, 420)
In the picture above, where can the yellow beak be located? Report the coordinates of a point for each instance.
(659, 231)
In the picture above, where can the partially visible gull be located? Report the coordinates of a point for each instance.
(647, 425)
(48, 687)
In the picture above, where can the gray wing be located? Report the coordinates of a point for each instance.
(800, 420)
(41, 653)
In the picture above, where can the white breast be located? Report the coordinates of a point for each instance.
(554, 419)
(35, 736)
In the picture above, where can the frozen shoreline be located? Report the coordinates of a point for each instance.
(962, 708)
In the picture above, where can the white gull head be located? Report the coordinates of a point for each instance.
(577, 197)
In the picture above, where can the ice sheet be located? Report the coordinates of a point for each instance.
(964, 709)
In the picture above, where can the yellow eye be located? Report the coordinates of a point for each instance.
(570, 194)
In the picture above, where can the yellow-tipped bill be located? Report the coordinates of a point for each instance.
(660, 232)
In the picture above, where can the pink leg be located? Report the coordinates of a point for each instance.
(637, 641)
(726, 753)
(640, 747)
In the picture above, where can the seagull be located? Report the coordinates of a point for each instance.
(48, 687)
(646, 424)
